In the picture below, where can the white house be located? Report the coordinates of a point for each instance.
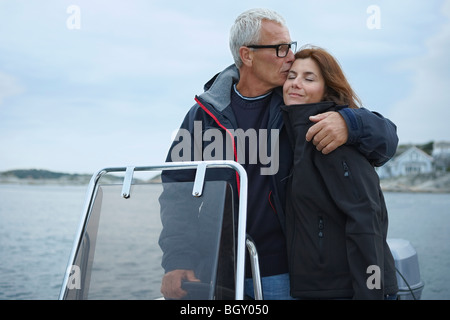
(411, 161)
(441, 149)
(441, 155)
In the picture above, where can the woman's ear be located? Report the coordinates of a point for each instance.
(246, 56)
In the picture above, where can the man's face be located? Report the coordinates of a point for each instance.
(271, 70)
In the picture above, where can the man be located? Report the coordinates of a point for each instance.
(247, 96)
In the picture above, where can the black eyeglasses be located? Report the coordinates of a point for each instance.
(282, 49)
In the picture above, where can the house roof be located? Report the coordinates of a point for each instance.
(403, 153)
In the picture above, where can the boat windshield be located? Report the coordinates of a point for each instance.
(128, 243)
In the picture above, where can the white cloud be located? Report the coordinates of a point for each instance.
(9, 86)
(423, 114)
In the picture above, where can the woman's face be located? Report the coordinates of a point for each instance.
(304, 83)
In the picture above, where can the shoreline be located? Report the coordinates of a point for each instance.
(405, 184)
(406, 190)
(424, 183)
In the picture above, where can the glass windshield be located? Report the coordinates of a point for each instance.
(127, 243)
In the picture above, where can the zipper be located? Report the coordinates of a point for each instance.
(346, 169)
(320, 234)
(347, 175)
(229, 133)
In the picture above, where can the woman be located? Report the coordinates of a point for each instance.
(336, 217)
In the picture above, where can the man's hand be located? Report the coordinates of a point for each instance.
(171, 283)
(329, 131)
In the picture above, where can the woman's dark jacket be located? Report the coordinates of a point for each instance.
(336, 218)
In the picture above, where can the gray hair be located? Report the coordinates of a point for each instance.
(247, 27)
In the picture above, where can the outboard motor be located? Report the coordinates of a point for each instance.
(410, 285)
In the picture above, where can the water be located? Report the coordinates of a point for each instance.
(37, 228)
(424, 220)
(38, 225)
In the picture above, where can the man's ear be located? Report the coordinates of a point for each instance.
(246, 56)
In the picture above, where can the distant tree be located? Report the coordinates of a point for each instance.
(34, 174)
(427, 147)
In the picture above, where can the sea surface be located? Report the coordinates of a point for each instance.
(38, 226)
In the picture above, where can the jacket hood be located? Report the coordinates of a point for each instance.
(218, 89)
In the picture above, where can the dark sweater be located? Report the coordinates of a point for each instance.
(263, 224)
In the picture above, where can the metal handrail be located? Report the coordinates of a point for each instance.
(199, 165)
(254, 263)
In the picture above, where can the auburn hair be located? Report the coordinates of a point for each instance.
(337, 88)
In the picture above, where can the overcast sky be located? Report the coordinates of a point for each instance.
(88, 84)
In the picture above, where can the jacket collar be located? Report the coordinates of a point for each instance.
(218, 89)
(302, 112)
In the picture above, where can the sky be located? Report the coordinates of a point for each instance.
(87, 84)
